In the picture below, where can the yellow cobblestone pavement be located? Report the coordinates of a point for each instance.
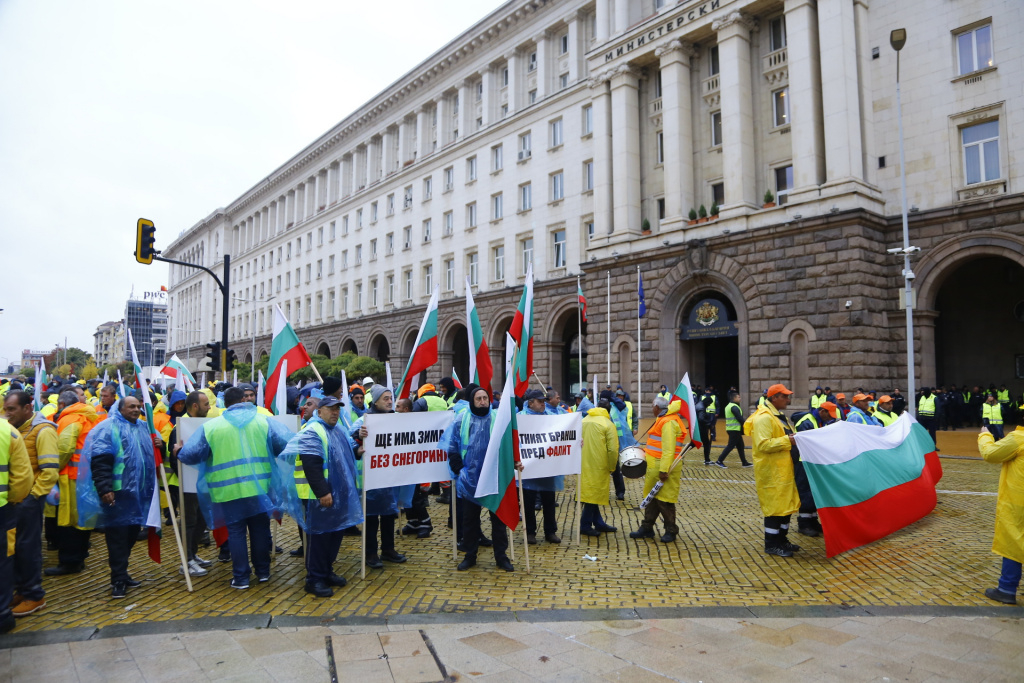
(942, 560)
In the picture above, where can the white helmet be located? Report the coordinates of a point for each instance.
(367, 381)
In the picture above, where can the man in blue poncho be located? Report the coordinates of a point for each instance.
(540, 493)
(117, 480)
(323, 495)
(239, 484)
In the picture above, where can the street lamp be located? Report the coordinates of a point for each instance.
(897, 39)
(252, 365)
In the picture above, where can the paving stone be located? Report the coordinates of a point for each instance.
(414, 670)
(168, 666)
(493, 643)
(364, 670)
(143, 646)
(403, 644)
(228, 663)
(292, 666)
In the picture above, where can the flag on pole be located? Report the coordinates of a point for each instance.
(684, 394)
(582, 299)
(174, 366)
(285, 346)
(153, 518)
(388, 381)
(480, 370)
(424, 351)
(455, 379)
(522, 333)
(40, 380)
(496, 488)
(280, 405)
(869, 482)
(641, 305)
(234, 378)
(120, 385)
(259, 388)
(106, 377)
(179, 383)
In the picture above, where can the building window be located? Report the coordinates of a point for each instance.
(309, 273)
(426, 230)
(557, 186)
(408, 285)
(780, 107)
(526, 248)
(588, 175)
(407, 237)
(277, 289)
(471, 215)
(556, 133)
(661, 209)
(359, 296)
(589, 228)
(563, 81)
(718, 194)
(330, 302)
(480, 91)
(309, 246)
(497, 158)
(563, 44)
(525, 145)
(449, 275)
(588, 119)
(471, 169)
(319, 306)
(532, 96)
(344, 226)
(319, 268)
(344, 300)
(374, 213)
(373, 293)
(713, 60)
(449, 223)
(783, 183)
(407, 197)
(289, 250)
(504, 111)
(373, 250)
(657, 85)
(777, 33)
(428, 188)
(531, 64)
(359, 218)
(974, 49)
(497, 207)
(499, 264)
(525, 197)
(473, 269)
(981, 152)
(659, 141)
(344, 259)
(390, 294)
(559, 244)
(359, 254)
(449, 179)
(330, 264)
(319, 238)
(428, 278)
(389, 244)
(716, 128)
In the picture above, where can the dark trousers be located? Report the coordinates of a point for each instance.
(251, 533)
(803, 486)
(50, 531)
(707, 430)
(386, 524)
(735, 441)
(28, 549)
(72, 545)
(417, 515)
(195, 524)
(775, 530)
(120, 540)
(590, 516)
(929, 423)
(547, 503)
(175, 498)
(321, 552)
(7, 522)
(618, 482)
(667, 511)
(997, 431)
(1009, 580)
(470, 524)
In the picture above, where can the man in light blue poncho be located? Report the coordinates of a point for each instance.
(239, 482)
(320, 470)
(116, 482)
(540, 492)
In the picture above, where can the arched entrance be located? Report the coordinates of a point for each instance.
(248, 358)
(499, 348)
(709, 346)
(349, 346)
(457, 354)
(562, 347)
(379, 348)
(323, 349)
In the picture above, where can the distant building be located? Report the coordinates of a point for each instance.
(30, 358)
(147, 321)
(109, 343)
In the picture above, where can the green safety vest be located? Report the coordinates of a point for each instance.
(629, 414)
(885, 418)
(231, 476)
(805, 418)
(1003, 396)
(926, 406)
(451, 401)
(993, 413)
(762, 401)
(816, 401)
(464, 435)
(712, 408)
(172, 476)
(5, 462)
(435, 403)
(302, 487)
(118, 458)
(731, 423)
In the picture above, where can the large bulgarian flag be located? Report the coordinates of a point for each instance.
(869, 481)
(174, 366)
(684, 393)
(424, 351)
(480, 370)
(285, 346)
(496, 487)
(153, 518)
(522, 333)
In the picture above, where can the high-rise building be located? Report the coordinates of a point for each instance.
(147, 321)
(108, 341)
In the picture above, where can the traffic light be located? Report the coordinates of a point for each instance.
(145, 239)
(230, 360)
(213, 354)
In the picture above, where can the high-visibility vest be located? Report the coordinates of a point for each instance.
(993, 412)
(712, 408)
(666, 395)
(435, 403)
(629, 414)
(119, 459)
(926, 406)
(805, 418)
(885, 418)
(653, 445)
(816, 401)
(731, 423)
(232, 476)
(302, 487)
(66, 419)
(464, 434)
(5, 463)
(762, 401)
(1003, 396)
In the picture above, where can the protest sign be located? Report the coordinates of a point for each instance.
(402, 448)
(550, 445)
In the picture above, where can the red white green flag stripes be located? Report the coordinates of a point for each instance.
(424, 351)
(684, 393)
(480, 370)
(522, 333)
(285, 346)
(174, 366)
(153, 517)
(869, 481)
(496, 487)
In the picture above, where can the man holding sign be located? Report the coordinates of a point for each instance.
(540, 492)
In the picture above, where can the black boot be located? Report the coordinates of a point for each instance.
(773, 547)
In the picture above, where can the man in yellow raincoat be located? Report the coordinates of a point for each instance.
(599, 458)
(1009, 537)
(773, 470)
(664, 446)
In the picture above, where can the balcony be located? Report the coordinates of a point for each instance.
(775, 67)
(709, 89)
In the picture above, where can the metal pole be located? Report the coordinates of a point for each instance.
(608, 332)
(639, 368)
(579, 341)
(252, 366)
(225, 292)
(908, 276)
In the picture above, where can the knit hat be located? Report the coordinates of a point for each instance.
(376, 391)
(425, 389)
(356, 390)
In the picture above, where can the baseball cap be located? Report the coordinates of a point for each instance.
(778, 389)
(534, 394)
(885, 399)
(861, 397)
(829, 407)
(840, 395)
(329, 401)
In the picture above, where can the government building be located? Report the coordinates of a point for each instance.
(743, 156)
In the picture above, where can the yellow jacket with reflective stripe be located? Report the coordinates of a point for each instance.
(1008, 540)
(993, 413)
(665, 442)
(773, 464)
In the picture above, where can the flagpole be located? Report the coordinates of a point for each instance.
(181, 499)
(608, 332)
(362, 554)
(174, 525)
(579, 340)
(639, 350)
(455, 520)
(522, 513)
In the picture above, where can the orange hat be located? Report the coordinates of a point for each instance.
(885, 399)
(829, 407)
(426, 388)
(778, 389)
(839, 396)
(861, 397)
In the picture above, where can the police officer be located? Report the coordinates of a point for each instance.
(992, 416)
(926, 411)
(734, 429)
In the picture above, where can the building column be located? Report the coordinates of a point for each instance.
(513, 82)
(621, 16)
(602, 20)
(422, 133)
(359, 168)
(805, 99)
(626, 150)
(542, 64)
(867, 120)
(318, 188)
(486, 106)
(576, 47)
(332, 183)
(676, 109)
(737, 113)
(840, 90)
(373, 160)
(388, 155)
(403, 143)
(601, 103)
(444, 121)
(345, 176)
(465, 105)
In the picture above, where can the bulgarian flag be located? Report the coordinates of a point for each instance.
(424, 351)
(522, 333)
(285, 346)
(259, 389)
(869, 481)
(153, 519)
(688, 410)
(582, 300)
(38, 388)
(175, 366)
(455, 379)
(480, 370)
(496, 487)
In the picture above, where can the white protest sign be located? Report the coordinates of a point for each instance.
(550, 445)
(187, 426)
(402, 448)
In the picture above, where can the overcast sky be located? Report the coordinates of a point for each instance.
(112, 111)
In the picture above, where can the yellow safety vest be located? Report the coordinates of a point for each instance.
(993, 412)
(926, 406)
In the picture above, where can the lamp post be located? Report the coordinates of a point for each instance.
(897, 39)
(252, 365)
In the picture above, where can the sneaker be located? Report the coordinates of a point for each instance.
(335, 580)
(410, 530)
(606, 528)
(132, 583)
(64, 569)
(778, 550)
(991, 593)
(298, 552)
(374, 562)
(423, 533)
(531, 539)
(466, 563)
(747, 465)
(808, 530)
(719, 463)
(224, 555)
(642, 533)
(506, 564)
(791, 547)
(668, 538)
(239, 585)
(590, 531)
(263, 579)
(119, 590)
(706, 463)
(319, 589)
(27, 607)
(393, 556)
(193, 569)
(552, 538)
(17, 600)
(205, 564)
